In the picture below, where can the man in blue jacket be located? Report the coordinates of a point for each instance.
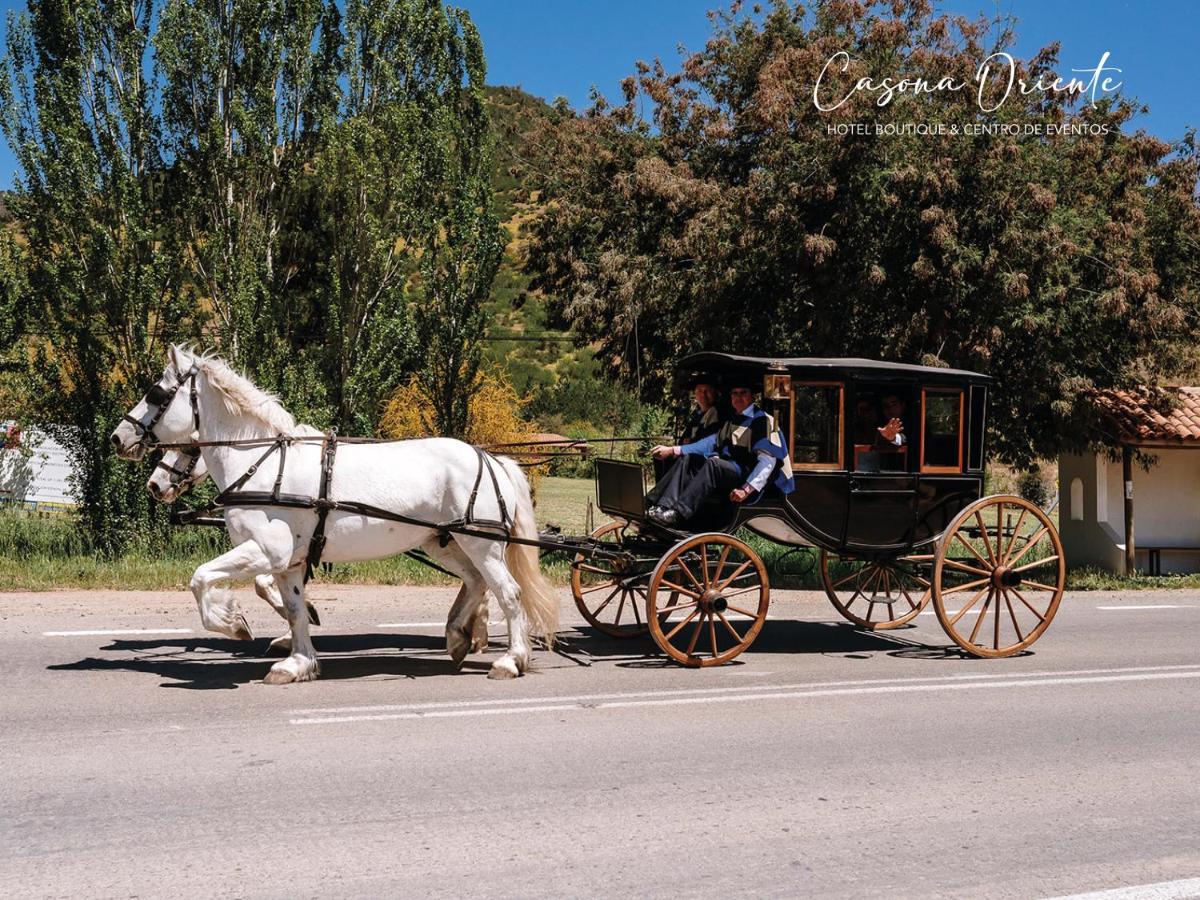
(738, 462)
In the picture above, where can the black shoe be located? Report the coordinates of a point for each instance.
(663, 516)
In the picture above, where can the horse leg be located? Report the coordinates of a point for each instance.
(488, 557)
(462, 625)
(302, 664)
(219, 610)
(265, 587)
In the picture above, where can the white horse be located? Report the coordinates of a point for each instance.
(200, 399)
(182, 468)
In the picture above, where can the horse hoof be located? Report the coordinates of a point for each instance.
(503, 668)
(281, 645)
(241, 630)
(314, 618)
(458, 646)
(279, 676)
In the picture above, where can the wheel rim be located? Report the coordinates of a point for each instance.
(877, 594)
(999, 576)
(610, 594)
(708, 600)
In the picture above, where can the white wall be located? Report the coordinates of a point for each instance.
(1166, 511)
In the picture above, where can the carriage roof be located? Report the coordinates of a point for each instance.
(873, 369)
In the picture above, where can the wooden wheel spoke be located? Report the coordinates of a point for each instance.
(1038, 586)
(607, 600)
(704, 564)
(674, 631)
(837, 584)
(996, 616)
(587, 567)
(737, 638)
(983, 533)
(963, 567)
(736, 572)
(667, 610)
(688, 572)
(712, 633)
(743, 612)
(1037, 536)
(964, 610)
(965, 587)
(691, 647)
(633, 604)
(962, 540)
(621, 607)
(1034, 565)
(1030, 606)
(721, 563)
(596, 587)
(740, 592)
(1012, 541)
(982, 613)
(1012, 615)
(679, 588)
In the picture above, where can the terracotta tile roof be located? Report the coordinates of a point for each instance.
(1139, 420)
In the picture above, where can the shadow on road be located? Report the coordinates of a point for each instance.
(223, 664)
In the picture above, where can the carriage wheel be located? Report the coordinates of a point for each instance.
(877, 594)
(708, 599)
(999, 576)
(604, 592)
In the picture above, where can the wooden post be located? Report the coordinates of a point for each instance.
(1127, 479)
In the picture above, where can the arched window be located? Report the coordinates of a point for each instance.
(1076, 499)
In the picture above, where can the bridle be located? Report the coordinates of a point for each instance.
(181, 475)
(160, 399)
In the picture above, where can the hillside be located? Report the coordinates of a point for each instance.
(563, 382)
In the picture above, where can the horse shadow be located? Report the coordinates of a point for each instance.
(207, 664)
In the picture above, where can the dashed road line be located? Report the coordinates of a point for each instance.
(1184, 889)
(105, 632)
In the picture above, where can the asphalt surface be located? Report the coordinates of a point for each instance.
(824, 762)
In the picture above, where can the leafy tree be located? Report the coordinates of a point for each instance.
(247, 88)
(729, 216)
(405, 201)
(95, 272)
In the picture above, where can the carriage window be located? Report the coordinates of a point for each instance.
(817, 425)
(941, 431)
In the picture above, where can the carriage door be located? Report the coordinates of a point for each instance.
(883, 476)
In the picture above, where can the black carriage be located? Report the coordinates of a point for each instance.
(895, 526)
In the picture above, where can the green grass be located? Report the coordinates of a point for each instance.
(47, 553)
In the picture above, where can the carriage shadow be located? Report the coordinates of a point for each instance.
(789, 636)
(223, 664)
(777, 636)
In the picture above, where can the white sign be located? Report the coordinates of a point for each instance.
(36, 471)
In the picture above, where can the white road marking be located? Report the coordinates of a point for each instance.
(420, 624)
(112, 631)
(1149, 606)
(316, 716)
(1184, 889)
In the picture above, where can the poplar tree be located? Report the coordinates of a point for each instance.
(95, 272)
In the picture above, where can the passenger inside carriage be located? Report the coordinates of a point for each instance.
(735, 463)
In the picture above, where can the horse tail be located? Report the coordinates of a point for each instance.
(537, 596)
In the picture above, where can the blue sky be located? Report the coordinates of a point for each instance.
(564, 47)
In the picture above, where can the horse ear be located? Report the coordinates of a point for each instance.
(178, 357)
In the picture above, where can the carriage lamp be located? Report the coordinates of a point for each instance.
(777, 387)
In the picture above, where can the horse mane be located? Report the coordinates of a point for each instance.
(242, 397)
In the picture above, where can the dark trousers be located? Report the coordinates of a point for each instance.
(693, 479)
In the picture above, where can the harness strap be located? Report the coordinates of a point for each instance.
(316, 545)
(249, 473)
(485, 461)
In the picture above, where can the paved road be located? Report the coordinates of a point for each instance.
(825, 762)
